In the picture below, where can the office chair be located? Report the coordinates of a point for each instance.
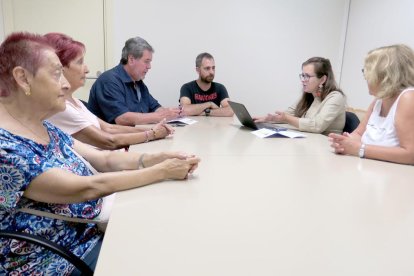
(49, 245)
(351, 122)
(84, 102)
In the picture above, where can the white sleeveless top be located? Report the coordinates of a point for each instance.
(381, 131)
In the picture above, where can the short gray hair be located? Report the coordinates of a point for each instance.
(200, 57)
(135, 46)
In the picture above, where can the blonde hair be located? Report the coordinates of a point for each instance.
(390, 69)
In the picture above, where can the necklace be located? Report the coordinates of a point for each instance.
(28, 128)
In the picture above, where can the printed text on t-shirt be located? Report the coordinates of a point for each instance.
(206, 98)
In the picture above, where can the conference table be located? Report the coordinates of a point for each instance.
(263, 206)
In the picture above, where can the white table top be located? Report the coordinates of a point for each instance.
(274, 206)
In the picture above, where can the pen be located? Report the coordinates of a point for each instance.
(181, 112)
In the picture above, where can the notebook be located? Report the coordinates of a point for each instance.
(245, 119)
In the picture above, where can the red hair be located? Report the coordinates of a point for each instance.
(66, 48)
(20, 49)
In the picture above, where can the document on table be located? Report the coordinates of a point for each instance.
(186, 121)
(268, 133)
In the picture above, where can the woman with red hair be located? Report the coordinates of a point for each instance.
(43, 169)
(77, 120)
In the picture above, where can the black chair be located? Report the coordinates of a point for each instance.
(49, 245)
(351, 121)
(84, 102)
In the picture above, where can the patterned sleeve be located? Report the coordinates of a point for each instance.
(15, 174)
(61, 136)
(20, 162)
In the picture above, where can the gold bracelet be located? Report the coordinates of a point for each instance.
(141, 162)
(154, 133)
(146, 136)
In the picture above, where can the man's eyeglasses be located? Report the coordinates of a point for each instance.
(305, 77)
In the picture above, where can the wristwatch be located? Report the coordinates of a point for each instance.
(361, 152)
(207, 111)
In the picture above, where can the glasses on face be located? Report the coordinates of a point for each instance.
(305, 77)
(363, 72)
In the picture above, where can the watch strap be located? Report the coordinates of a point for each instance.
(361, 152)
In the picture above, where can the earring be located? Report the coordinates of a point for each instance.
(319, 93)
(27, 92)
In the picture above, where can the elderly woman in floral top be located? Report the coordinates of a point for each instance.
(41, 167)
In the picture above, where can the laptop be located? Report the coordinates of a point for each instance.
(245, 119)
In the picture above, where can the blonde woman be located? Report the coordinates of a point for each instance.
(387, 132)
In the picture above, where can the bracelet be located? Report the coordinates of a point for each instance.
(146, 136)
(153, 133)
(361, 152)
(141, 162)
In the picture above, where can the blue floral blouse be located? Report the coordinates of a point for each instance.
(21, 160)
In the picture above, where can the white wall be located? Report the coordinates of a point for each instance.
(258, 45)
(372, 24)
(1, 22)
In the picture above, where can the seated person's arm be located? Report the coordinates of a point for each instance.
(404, 122)
(168, 113)
(114, 128)
(224, 110)
(195, 109)
(279, 117)
(60, 186)
(404, 153)
(117, 129)
(359, 131)
(333, 105)
(108, 141)
(289, 119)
(273, 118)
(269, 118)
(136, 118)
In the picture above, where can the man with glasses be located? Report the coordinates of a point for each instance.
(120, 96)
(203, 96)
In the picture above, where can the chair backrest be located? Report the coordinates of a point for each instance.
(84, 102)
(47, 244)
(351, 122)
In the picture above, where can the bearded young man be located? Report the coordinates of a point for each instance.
(203, 96)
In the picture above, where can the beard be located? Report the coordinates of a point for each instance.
(207, 79)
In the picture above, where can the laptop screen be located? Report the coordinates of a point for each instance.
(243, 115)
